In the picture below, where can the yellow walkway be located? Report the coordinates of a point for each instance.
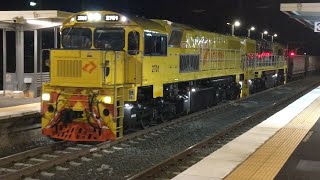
(268, 160)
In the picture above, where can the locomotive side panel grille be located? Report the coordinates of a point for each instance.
(189, 63)
(69, 68)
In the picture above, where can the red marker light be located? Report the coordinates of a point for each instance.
(292, 54)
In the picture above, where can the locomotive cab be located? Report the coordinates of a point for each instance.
(100, 59)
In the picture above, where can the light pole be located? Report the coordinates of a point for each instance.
(249, 31)
(235, 24)
(264, 33)
(275, 35)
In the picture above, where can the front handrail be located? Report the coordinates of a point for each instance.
(41, 60)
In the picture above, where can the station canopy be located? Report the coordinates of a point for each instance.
(306, 13)
(31, 20)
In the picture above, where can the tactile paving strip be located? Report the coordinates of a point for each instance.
(268, 160)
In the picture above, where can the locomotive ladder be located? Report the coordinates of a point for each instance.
(118, 110)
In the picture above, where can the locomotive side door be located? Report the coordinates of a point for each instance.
(134, 56)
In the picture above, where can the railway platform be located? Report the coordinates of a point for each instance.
(14, 108)
(284, 146)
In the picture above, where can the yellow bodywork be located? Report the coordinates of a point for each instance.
(80, 73)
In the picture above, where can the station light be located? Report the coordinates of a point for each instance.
(274, 36)
(32, 3)
(237, 23)
(42, 23)
(251, 29)
(45, 97)
(264, 33)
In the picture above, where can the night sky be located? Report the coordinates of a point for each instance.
(211, 15)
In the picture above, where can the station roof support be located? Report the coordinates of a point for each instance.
(19, 22)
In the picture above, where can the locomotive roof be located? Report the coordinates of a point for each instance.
(157, 25)
(115, 18)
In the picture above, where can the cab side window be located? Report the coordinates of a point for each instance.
(155, 44)
(175, 38)
(133, 43)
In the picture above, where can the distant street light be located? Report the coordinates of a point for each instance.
(32, 3)
(235, 24)
(249, 31)
(275, 35)
(264, 33)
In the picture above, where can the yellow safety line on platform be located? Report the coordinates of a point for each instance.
(268, 160)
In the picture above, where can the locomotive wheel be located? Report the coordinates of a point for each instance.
(145, 122)
(164, 118)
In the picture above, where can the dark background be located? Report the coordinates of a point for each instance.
(209, 15)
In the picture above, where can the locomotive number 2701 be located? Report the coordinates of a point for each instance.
(155, 68)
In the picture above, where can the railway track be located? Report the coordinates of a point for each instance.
(179, 162)
(60, 157)
(39, 159)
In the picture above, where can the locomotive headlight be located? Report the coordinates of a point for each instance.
(107, 99)
(94, 17)
(45, 97)
(124, 19)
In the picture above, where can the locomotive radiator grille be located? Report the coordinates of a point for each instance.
(69, 68)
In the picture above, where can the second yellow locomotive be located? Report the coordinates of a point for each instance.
(116, 74)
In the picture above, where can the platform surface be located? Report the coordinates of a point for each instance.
(304, 163)
(11, 107)
(9, 101)
(262, 151)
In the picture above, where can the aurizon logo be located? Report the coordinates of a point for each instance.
(89, 67)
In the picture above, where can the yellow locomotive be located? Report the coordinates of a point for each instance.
(116, 73)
